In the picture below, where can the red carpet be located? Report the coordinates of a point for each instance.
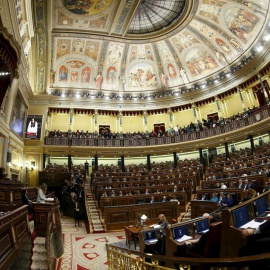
(86, 251)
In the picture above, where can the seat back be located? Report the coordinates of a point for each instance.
(128, 234)
(212, 247)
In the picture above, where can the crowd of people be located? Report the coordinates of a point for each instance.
(211, 122)
(74, 186)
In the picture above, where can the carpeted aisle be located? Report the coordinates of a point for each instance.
(85, 251)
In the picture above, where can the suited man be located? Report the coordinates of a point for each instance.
(258, 242)
(251, 184)
(205, 197)
(222, 199)
(246, 186)
(267, 185)
(175, 189)
(240, 183)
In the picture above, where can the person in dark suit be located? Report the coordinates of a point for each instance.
(27, 201)
(258, 240)
(240, 183)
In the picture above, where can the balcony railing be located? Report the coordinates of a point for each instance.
(257, 116)
(124, 259)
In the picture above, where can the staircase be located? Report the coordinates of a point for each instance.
(23, 261)
(94, 216)
(39, 257)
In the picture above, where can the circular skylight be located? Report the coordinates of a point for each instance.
(154, 15)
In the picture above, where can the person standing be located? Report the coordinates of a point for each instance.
(86, 167)
(161, 244)
(77, 214)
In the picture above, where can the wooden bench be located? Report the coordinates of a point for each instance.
(140, 199)
(116, 217)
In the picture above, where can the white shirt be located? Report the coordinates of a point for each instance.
(41, 198)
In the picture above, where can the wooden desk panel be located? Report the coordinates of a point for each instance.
(14, 231)
(53, 179)
(10, 195)
(128, 200)
(118, 217)
(199, 207)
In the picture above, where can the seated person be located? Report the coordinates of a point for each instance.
(258, 242)
(229, 202)
(214, 197)
(198, 245)
(41, 197)
(26, 200)
(173, 199)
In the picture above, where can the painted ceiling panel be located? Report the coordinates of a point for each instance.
(219, 34)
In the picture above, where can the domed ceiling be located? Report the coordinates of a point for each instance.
(137, 46)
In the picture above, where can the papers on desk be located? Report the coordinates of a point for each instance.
(184, 238)
(155, 226)
(203, 231)
(152, 240)
(253, 224)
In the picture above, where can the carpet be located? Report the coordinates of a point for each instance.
(84, 251)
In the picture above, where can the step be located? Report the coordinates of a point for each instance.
(40, 241)
(40, 265)
(39, 248)
(39, 257)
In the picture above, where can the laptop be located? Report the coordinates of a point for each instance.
(181, 234)
(203, 226)
(150, 237)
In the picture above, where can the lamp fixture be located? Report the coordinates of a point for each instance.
(143, 219)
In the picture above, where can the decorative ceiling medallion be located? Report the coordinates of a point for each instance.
(86, 7)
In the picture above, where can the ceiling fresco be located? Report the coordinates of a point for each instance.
(86, 7)
(88, 52)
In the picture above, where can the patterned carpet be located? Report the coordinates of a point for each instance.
(86, 251)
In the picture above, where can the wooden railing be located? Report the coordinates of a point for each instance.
(14, 232)
(45, 211)
(10, 195)
(229, 237)
(260, 114)
(117, 217)
(125, 259)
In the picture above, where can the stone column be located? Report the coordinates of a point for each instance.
(174, 159)
(149, 162)
(194, 112)
(227, 150)
(251, 143)
(123, 163)
(69, 162)
(96, 163)
(121, 124)
(145, 121)
(11, 96)
(218, 107)
(241, 98)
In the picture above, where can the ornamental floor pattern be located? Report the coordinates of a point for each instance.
(86, 251)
